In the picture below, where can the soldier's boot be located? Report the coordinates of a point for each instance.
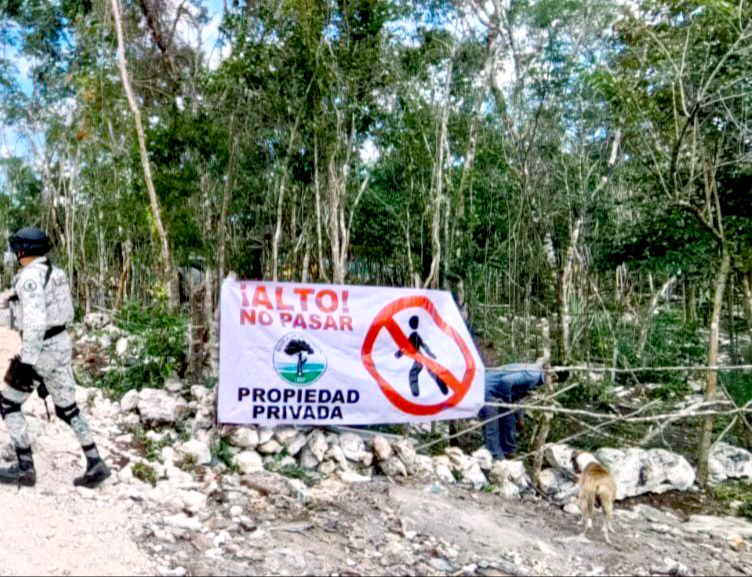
(22, 473)
(96, 472)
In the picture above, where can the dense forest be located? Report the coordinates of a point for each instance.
(587, 162)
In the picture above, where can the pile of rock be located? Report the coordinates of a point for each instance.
(352, 457)
(637, 471)
(355, 458)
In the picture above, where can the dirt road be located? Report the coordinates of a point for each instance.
(56, 529)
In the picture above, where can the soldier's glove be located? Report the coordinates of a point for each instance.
(12, 368)
(21, 376)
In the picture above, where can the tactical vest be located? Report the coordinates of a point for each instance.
(57, 297)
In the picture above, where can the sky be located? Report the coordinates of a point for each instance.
(13, 143)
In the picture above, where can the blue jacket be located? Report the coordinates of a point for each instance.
(511, 383)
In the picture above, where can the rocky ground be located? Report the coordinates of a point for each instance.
(172, 510)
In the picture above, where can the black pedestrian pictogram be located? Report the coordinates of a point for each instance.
(418, 343)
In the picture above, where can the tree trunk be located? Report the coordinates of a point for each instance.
(226, 199)
(712, 383)
(278, 228)
(170, 277)
(692, 302)
(414, 277)
(199, 336)
(544, 424)
(335, 199)
(317, 188)
(747, 288)
(655, 301)
(730, 293)
(306, 257)
(438, 187)
(120, 296)
(211, 323)
(565, 289)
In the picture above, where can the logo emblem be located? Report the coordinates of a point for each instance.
(299, 360)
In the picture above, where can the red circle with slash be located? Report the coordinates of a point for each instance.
(385, 320)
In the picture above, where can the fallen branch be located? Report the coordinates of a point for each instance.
(685, 413)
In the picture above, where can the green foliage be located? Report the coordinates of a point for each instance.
(735, 492)
(221, 452)
(738, 384)
(597, 394)
(189, 464)
(158, 349)
(150, 449)
(145, 473)
(291, 471)
(671, 342)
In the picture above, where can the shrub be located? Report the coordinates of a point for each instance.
(159, 348)
(145, 473)
(222, 453)
(736, 491)
(671, 342)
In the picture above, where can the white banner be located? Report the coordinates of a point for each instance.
(344, 355)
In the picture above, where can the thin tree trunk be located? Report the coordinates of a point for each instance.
(317, 188)
(730, 293)
(414, 279)
(459, 226)
(306, 257)
(655, 301)
(544, 425)
(692, 302)
(198, 328)
(747, 288)
(435, 272)
(120, 296)
(335, 199)
(346, 229)
(102, 254)
(211, 324)
(226, 199)
(170, 273)
(565, 289)
(278, 227)
(712, 377)
(551, 289)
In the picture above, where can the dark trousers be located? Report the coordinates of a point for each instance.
(500, 434)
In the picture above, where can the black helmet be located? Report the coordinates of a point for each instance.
(30, 241)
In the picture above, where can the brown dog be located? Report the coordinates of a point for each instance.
(597, 484)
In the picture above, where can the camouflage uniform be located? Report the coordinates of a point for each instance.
(40, 309)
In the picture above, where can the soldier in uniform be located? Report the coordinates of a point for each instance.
(40, 308)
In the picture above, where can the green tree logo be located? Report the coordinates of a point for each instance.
(299, 360)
